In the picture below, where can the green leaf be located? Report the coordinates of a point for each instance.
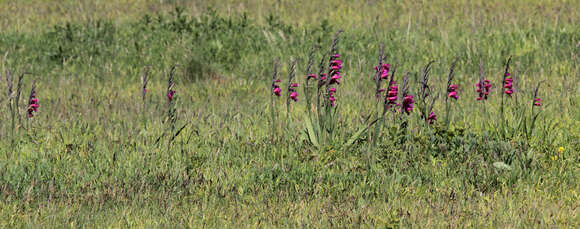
(501, 165)
(357, 135)
(311, 132)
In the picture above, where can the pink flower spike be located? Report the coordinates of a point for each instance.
(453, 86)
(332, 90)
(294, 85)
(277, 81)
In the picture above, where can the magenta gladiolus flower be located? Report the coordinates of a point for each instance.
(170, 95)
(407, 104)
(432, 118)
(508, 84)
(483, 89)
(452, 93)
(311, 76)
(392, 95)
(294, 96)
(277, 91)
(537, 102)
(32, 104)
(383, 71)
(334, 73)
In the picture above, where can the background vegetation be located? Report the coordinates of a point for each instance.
(90, 156)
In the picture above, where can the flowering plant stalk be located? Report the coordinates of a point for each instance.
(381, 72)
(507, 86)
(292, 93)
(326, 108)
(275, 93)
(426, 110)
(172, 110)
(536, 102)
(451, 92)
(144, 82)
(483, 88)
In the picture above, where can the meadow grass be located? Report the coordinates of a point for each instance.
(97, 152)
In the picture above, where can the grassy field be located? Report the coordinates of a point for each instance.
(225, 152)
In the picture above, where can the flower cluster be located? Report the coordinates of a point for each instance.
(407, 104)
(32, 104)
(432, 118)
(335, 66)
(276, 89)
(331, 92)
(383, 74)
(537, 102)
(508, 84)
(483, 89)
(170, 95)
(384, 71)
(392, 95)
(292, 92)
(334, 72)
(452, 91)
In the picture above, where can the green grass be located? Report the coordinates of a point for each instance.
(90, 158)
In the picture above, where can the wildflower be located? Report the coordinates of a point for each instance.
(32, 103)
(452, 93)
(560, 149)
(335, 67)
(508, 84)
(392, 95)
(383, 70)
(276, 89)
(293, 93)
(294, 96)
(334, 72)
(483, 89)
(311, 76)
(407, 104)
(170, 94)
(331, 98)
(537, 102)
(432, 118)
